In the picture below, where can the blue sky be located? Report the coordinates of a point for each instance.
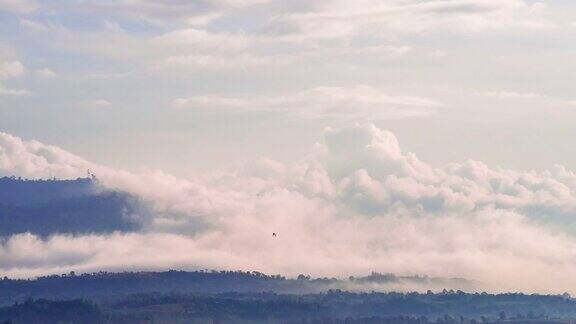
(189, 85)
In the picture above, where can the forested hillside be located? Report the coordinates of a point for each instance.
(330, 307)
(105, 285)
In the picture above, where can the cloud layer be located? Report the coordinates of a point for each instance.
(357, 203)
(320, 102)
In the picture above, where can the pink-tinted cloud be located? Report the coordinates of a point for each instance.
(356, 204)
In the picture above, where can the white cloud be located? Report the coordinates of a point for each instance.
(179, 49)
(320, 102)
(18, 6)
(511, 95)
(13, 92)
(191, 49)
(34, 159)
(45, 73)
(160, 12)
(185, 38)
(357, 204)
(382, 50)
(344, 19)
(205, 19)
(217, 62)
(97, 103)
(198, 40)
(525, 96)
(11, 69)
(113, 26)
(33, 25)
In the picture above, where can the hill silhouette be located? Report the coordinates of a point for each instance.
(45, 207)
(23, 192)
(254, 297)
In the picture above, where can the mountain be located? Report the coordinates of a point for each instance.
(45, 207)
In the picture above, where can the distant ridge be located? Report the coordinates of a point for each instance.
(78, 206)
(253, 297)
(18, 191)
(103, 285)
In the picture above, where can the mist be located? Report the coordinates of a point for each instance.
(355, 204)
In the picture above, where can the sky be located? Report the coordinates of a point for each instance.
(404, 136)
(189, 86)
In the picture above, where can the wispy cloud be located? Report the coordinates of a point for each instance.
(18, 6)
(525, 96)
(45, 73)
(318, 102)
(99, 103)
(13, 92)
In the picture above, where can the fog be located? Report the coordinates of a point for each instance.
(355, 204)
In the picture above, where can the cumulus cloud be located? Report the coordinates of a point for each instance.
(357, 203)
(352, 102)
(36, 160)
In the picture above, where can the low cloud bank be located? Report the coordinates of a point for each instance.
(356, 204)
